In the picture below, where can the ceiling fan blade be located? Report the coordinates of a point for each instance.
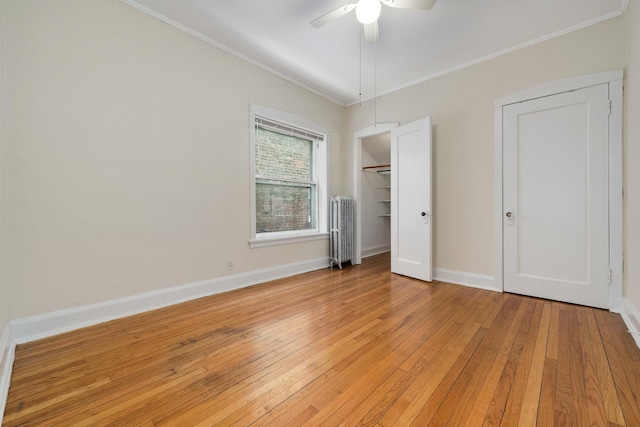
(371, 32)
(410, 4)
(334, 14)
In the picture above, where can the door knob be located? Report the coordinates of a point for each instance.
(510, 218)
(425, 216)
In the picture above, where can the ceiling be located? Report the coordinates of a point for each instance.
(414, 45)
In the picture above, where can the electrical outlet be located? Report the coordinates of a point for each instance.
(230, 264)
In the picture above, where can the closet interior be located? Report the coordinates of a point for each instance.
(375, 203)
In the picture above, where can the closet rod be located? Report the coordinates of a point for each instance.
(376, 167)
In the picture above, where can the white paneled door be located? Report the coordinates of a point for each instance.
(411, 225)
(556, 197)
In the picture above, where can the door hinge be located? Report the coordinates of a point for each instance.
(610, 276)
(610, 107)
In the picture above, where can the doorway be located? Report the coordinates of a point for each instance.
(410, 194)
(558, 195)
(358, 138)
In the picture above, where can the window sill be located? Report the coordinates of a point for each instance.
(284, 240)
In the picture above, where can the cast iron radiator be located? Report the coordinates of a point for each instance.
(342, 230)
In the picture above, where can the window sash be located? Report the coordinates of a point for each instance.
(313, 213)
(313, 161)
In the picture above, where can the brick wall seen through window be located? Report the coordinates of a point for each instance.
(283, 205)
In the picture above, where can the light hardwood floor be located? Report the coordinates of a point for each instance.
(359, 346)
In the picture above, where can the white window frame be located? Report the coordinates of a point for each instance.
(320, 167)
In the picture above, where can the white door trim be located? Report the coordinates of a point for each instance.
(558, 86)
(614, 80)
(358, 136)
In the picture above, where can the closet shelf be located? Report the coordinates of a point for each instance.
(381, 170)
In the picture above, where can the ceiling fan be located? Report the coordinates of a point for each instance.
(368, 11)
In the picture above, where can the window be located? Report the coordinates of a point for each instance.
(288, 178)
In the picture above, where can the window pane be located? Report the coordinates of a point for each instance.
(284, 206)
(283, 156)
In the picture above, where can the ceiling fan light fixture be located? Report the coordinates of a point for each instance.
(368, 11)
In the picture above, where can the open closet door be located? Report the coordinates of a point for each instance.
(411, 225)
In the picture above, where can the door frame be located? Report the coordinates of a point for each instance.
(615, 81)
(358, 136)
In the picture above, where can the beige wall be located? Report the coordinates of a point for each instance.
(461, 105)
(128, 155)
(632, 156)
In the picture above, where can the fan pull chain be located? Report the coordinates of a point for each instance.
(360, 94)
(375, 84)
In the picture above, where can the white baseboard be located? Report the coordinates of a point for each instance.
(44, 325)
(631, 317)
(7, 354)
(473, 280)
(375, 250)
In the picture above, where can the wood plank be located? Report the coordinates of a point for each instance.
(530, 401)
(593, 390)
(460, 399)
(503, 389)
(624, 366)
(554, 324)
(611, 403)
(333, 391)
(564, 391)
(579, 393)
(515, 402)
(358, 346)
(431, 352)
(485, 395)
(359, 355)
(438, 377)
(546, 403)
(486, 307)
